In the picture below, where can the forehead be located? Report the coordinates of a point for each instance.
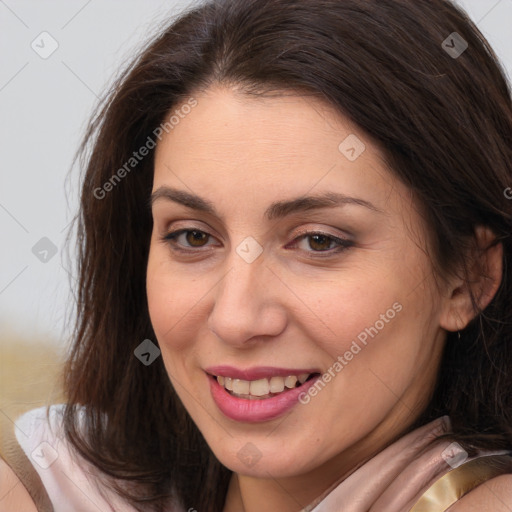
(233, 144)
(285, 126)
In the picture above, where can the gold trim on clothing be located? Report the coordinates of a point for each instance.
(443, 493)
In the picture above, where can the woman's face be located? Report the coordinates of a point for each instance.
(283, 249)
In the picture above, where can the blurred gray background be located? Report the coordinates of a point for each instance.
(57, 57)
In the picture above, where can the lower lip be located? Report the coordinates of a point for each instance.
(253, 411)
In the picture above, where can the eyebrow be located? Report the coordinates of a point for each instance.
(276, 210)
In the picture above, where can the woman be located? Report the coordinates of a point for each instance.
(294, 288)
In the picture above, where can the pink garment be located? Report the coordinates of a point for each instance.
(72, 484)
(395, 479)
(392, 481)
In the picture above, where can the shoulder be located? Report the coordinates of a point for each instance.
(39, 428)
(69, 481)
(494, 495)
(18, 475)
(13, 495)
(45, 417)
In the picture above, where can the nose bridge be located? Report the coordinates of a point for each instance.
(247, 263)
(240, 285)
(244, 304)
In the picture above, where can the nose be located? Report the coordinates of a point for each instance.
(247, 306)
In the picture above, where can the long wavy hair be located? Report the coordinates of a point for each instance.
(445, 126)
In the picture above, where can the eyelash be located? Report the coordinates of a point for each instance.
(342, 243)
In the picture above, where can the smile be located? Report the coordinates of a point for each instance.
(258, 394)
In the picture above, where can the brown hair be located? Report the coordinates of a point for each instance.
(445, 125)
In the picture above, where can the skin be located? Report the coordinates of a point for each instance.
(289, 308)
(13, 495)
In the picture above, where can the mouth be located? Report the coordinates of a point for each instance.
(260, 393)
(262, 388)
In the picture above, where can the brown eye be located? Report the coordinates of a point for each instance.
(184, 239)
(320, 242)
(196, 238)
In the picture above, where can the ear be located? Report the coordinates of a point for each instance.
(485, 270)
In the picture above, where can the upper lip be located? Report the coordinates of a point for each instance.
(256, 372)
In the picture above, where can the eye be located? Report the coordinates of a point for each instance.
(187, 238)
(313, 242)
(321, 243)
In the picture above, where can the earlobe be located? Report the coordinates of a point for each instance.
(484, 276)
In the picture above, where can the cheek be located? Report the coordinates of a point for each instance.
(173, 300)
(357, 308)
(383, 351)
(371, 330)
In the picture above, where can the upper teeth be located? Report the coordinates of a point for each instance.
(261, 387)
